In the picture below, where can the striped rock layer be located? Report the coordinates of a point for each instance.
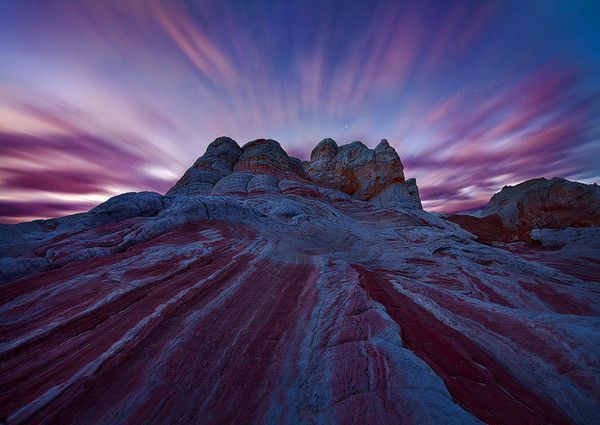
(252, 294)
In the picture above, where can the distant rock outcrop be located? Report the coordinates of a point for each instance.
(515, 211)
(573, 250)
(547, 204)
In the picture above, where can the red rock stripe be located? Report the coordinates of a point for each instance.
(225, 363)
(54, 356)
(474, 378)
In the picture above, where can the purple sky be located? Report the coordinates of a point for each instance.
(102, 97)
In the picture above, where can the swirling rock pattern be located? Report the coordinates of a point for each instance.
(276, 300)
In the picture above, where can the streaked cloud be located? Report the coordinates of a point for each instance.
(101, 97)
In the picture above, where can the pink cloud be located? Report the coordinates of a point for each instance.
(514, 135)
(97, 166)
(143, 88)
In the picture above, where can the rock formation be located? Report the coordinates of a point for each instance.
(572, 250)
(554, 222)
(364, 173)
(515, 211)
(542, 204)
(218, 162)
(255, 291)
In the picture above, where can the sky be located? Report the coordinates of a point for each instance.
(103, 97)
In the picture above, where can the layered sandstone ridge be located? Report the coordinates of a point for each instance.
(375, 175)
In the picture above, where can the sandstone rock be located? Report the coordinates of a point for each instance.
(487, 229)
(572, 250)
(404, 194)
(363, 173)
(15, 268)
(359, 171)
(570, 238)
(542, 203)
(217, 162)
(263, 183)
(265, 156)
(515, 211)
(127, 205)
(235, 182)
(325, 151)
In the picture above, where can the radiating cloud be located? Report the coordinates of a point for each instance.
(65, 173)
(546, 125)
(102, 97)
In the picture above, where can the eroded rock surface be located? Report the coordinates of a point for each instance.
(266, 156)
(263, 297)
(515, 211)
(362, 172)
(547, 204)
(375, 175)
(572, 250)
(217, 162)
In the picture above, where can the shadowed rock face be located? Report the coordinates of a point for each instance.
(572, 250)
(251, 293)
(217, 162)
(554, 222)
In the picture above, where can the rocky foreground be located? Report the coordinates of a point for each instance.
(261, 289)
